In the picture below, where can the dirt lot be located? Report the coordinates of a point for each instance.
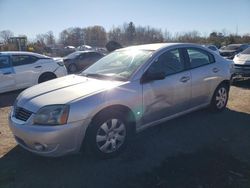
(201, 149)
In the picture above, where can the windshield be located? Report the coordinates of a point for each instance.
(72, 55)
(246, 51)
(119, 65)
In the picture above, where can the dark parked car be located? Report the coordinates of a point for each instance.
(80, 60)
(231, 50)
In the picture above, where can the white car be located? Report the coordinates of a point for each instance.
(20, 70)
(242, 64)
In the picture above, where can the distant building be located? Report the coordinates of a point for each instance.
(20, 43)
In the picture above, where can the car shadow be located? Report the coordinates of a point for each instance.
(8, 98)
(187, 134)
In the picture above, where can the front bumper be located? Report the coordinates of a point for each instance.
(241, 71)
(51, 141)
(61, 71)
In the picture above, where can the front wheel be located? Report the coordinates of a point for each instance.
(220, 98)
(108, 135)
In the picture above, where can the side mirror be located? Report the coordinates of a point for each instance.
(147, 77)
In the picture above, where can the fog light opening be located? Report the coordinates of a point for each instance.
(40, 147)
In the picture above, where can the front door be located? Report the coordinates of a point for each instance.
(163, 98)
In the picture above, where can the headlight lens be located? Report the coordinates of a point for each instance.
(52, 115)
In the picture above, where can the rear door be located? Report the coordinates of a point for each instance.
(83, 60)
(26, 70)
(94, 56)
(204, 72)
(7, 80)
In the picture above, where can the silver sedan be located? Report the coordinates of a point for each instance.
(123, 93)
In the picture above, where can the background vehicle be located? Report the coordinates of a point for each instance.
(122, 93)
(84, 47)
(20, 70)
(79, 60)
(231, 50)
(242, 64)
(213, 47)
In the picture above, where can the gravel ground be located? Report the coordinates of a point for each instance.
(172, 154)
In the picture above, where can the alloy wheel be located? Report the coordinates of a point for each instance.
(111, 135)
(221, 98)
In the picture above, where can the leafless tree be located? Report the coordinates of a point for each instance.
(50, 38)
(95, 36)
(5, 35)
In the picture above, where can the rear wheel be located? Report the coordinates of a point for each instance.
(220, 98)
(108, 135)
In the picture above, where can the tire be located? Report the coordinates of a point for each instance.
(220, 98)
(72, 68)
(108, 135)
(46, 77)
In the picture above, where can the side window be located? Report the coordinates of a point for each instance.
(95, 55)
(199, 57)
(4, 62)
(82, 56)
(18, 60)
(170, 63)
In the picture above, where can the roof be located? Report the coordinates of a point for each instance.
(23, 53)
(152, 47)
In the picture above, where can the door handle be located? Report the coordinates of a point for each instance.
(216, 70)
(5, 73)
(36, 67)
(184, 79)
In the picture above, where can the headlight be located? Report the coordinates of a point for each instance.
(52, 115)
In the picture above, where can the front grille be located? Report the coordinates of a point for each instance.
(21, 113)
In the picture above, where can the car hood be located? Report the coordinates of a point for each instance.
(62, 91)
(242, 59)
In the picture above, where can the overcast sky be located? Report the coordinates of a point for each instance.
(32, 17)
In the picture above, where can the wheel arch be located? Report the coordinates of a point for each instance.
(225, 82)
(121, 108)
(53, 75)
(128, 113)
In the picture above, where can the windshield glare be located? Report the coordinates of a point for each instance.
(119, 64)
